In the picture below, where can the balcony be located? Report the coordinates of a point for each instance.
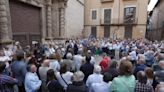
(119, 22)
(104, 1)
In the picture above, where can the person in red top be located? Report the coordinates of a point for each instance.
(105, 62)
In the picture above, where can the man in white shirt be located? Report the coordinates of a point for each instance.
(78, 60)
(103, 86)
(51, 49)
(96, 77)
(32, 82)
(8, 52)
(133, 56)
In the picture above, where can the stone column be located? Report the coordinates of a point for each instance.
(49, 18)
(4, 23)
(62, 20)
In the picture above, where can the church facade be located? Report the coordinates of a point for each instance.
(34, 20)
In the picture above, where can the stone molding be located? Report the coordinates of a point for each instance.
(38, 3)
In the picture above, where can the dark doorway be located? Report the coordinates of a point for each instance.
(94, 31)
(106, 31)
(25, 22)
(128, 31)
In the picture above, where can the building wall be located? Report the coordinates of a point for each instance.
(74, 18)
(117, 17)
(50, 21)
(156, 22)
(5, 24)
(157, 16)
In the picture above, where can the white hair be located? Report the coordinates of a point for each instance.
(78, 76)
(69, 56)
(97, 69)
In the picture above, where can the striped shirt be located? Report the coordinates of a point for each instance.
(7, 83)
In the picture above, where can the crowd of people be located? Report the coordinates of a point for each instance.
(71, 66)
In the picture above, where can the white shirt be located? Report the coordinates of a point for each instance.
(115, 46)
(94, 78)
(92, 60)
(110, 46)
(100, 87)
(4, 58)
(133, 55)
(77, 61)
(62, 83)
(68, 77)
(51, 50)
(54, 64)
(149, 82)
(8, 53)
(32, 82)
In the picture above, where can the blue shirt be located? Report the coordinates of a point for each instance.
(32, 82)
(19, 70)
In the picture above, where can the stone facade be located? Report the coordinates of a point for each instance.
(74, 17)
(4, 22)
(155, 28)
(117, 26)
(52, 18)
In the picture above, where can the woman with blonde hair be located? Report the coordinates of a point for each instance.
(125, 82)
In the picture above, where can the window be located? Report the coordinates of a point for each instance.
(129, 14)
(94, 32)
(162, 24)
(107, 16)
(106, 31)
(94, 14)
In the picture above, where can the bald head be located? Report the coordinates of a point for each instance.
(46, 63)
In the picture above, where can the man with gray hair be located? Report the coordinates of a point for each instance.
(43, 74)
(96, 77)
(160, 74)
(69, 62)
(78, 84)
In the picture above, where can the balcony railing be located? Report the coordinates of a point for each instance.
(103, 1)
(121, 21)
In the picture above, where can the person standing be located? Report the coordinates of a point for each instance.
(43, 74)
(78, 84)
(125, 82)
(87, 68)
(141, 85)
(105, 62)
(6, 82)
(53, 84)
(77, 60)
(96, 77)
(103, 86)
(19, 70)
(32, 82)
